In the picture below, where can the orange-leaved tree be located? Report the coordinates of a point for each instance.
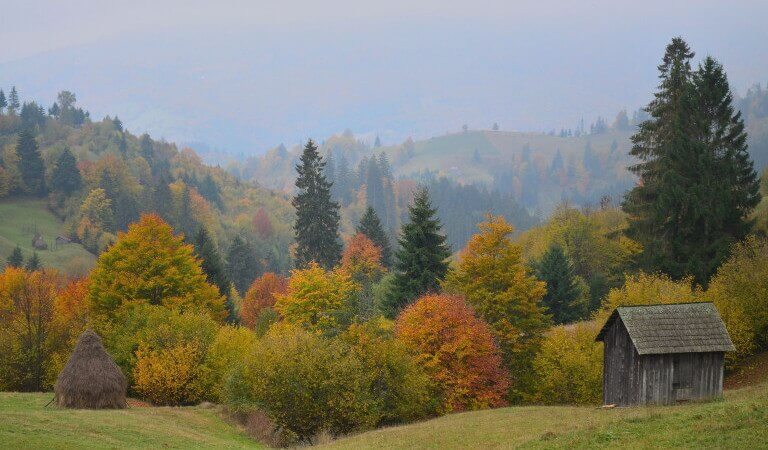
(361, 260)
(149, 265)
(261, 297)
(494, 280)
(318, 300)
(457, 350)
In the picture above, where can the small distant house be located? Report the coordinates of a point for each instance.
(62, 240)
(39, 243)
(663, 354)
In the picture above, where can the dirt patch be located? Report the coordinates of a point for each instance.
(133, 403)
(753, 370)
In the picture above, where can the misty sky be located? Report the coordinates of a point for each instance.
(246, 75)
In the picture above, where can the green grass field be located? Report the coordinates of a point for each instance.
(18, 219)
(739, 421)
(25, 422)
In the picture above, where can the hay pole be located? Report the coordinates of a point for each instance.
(48, 404)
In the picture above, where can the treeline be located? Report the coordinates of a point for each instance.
(99, 178)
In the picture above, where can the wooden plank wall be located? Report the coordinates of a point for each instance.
(631, 379)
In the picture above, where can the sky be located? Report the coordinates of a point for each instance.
(244, 76)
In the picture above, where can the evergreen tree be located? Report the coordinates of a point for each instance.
(377, 142)
(30, 163)
(421, 260)
(3, 101)
(214, 269)
(370, 226)
(388, 185)
(162, 198)
(66, 177)
(698, 185)
(13, 101)
(374, 189)
(317, 215)
(242, 265)
(33, 263)
(17, 258)
(564, 298)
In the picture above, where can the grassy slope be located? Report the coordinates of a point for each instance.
(452, 154)
(741, 421)
(19, 214)
(26, 423)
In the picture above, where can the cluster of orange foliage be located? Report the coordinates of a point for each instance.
(260, 296)
(362, 258)
(457, 350)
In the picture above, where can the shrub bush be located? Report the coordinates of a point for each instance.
(305, 383)
(739, 289)
(457, 351)
(569, 365)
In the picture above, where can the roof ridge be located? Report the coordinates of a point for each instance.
(664, 304)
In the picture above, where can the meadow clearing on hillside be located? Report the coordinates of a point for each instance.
(25, 422)
(20, 217)
(739, 421)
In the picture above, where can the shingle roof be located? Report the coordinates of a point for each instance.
(675, 328)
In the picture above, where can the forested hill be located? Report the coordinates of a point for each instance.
(97, 178)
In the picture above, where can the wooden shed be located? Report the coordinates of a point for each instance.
(663, 354)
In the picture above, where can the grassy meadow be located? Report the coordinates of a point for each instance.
(739, 421)
(25, 422)
(18, 219)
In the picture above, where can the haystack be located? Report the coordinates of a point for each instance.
(91, 379)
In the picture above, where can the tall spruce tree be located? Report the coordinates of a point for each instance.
(317, 215)
(421, 260)
(33, 263)
(697, 184)
(31, 164)
(214, 269)
(242, 264)
(13, 101)
(370, 225)
(66, 177)
(16, 259)
(3, 101)
(564, 298)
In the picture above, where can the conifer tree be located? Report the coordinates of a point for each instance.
(30, 163)
(66, 176)
(13, 101)
(421, 260)
(564, 297)
(3, 101)
(16, 259)
(242, 265)
(317, 215)
(214, 270)
(370, 226)
(697, 184)
(33, 263)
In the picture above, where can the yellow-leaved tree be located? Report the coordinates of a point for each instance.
(318, 300)
(149, 265)
(492, 277)
(739, 289)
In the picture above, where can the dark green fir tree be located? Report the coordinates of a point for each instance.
(370, 225)
(30, 163)
(697, 184)
(3, 101)
(317, 215)
(33, 263)
(421, 259)
(16, 259)
(564, 299)
(13, 101)
(242, 264)
(214, 269)
(66, 177)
